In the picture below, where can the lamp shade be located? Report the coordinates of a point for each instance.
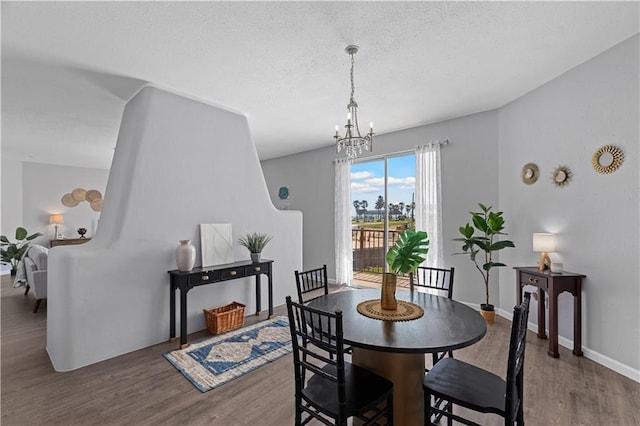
(56, 219)
(544, 243)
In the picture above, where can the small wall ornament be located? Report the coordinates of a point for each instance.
(561, 176)
(607, 159)
(530, 173)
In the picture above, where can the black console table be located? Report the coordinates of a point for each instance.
(185, 281)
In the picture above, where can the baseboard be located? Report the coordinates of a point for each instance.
(594, 356)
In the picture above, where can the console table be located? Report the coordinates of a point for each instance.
(185, 281)
(68, 241)
(554, 283)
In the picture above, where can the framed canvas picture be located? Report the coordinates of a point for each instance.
(216, 243)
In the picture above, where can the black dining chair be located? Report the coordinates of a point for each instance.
(312, 282)
(474, 388)
(337, 390)
(440, 282)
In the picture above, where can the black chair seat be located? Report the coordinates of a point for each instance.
(454, 382)
(363, 388)
(467, 385)
(337, 390)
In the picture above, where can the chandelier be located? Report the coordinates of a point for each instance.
(353, 142)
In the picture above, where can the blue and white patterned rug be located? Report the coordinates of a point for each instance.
(216, 360)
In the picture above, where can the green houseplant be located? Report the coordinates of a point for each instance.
(12, 252)
(403, 258)
(255, 243)
(482, 246)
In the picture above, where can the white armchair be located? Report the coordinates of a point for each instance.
(35, 264)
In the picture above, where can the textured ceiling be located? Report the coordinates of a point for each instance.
(68, 68)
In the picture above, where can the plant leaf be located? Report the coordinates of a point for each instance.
(21, 233)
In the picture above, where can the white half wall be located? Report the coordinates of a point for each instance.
(178, 163)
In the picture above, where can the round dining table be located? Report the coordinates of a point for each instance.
(396, 349)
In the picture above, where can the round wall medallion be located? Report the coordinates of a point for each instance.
(93, 194)
(561, 176)
(283, 192)
(79, 194)
(96, 205)
(529, 173)
(607, 159)
(69, 201)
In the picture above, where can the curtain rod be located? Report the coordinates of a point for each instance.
(392, 154)
(436, 142)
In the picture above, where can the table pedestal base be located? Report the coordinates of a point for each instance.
(406, 371)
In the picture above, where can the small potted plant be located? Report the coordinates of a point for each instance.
(255, 243)
(12, 252)
(403, 258)
(490, 225)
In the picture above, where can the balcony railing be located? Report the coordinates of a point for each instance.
(368, 248)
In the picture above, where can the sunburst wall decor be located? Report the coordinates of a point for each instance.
(607, 159)
(561, 176)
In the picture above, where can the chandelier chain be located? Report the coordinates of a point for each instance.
(353, 86)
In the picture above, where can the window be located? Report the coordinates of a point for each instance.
(383, 198)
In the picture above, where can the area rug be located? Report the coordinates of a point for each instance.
(217, 360)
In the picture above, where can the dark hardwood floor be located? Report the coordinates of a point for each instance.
(142, 388)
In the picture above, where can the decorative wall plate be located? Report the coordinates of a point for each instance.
(69, 201)
(530, 173)
(283, 192)
(93, 194)
(96, 205)
(561, 175)
(607, 159)
(79, 194)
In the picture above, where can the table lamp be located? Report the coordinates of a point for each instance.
(56, 219)
(544, 244)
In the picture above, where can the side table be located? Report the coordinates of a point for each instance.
(554, 283)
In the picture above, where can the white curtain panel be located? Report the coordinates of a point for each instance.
(429, 200)
(344, 254)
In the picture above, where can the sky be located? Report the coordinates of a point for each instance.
(367, 180)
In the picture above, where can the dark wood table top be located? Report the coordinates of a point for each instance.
(445, 325)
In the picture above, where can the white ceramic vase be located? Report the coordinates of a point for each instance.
(185, 256)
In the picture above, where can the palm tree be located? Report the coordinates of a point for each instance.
(363, 206)
(401, 207)
(356, 204)
(393, 208)
(379, 205)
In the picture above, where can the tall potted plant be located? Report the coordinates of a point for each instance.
(12, 252)
(482, 246)
(403, 258)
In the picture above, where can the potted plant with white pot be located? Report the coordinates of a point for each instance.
(482, 246)
(255, 243)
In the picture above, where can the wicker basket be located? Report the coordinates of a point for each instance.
(225, 318)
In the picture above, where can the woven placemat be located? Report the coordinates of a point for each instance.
(406, 311)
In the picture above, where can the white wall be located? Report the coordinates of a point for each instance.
(11, 211)
(33, 191)
(596, 216)
(469, 176)
(178, 163)
(43, 188)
